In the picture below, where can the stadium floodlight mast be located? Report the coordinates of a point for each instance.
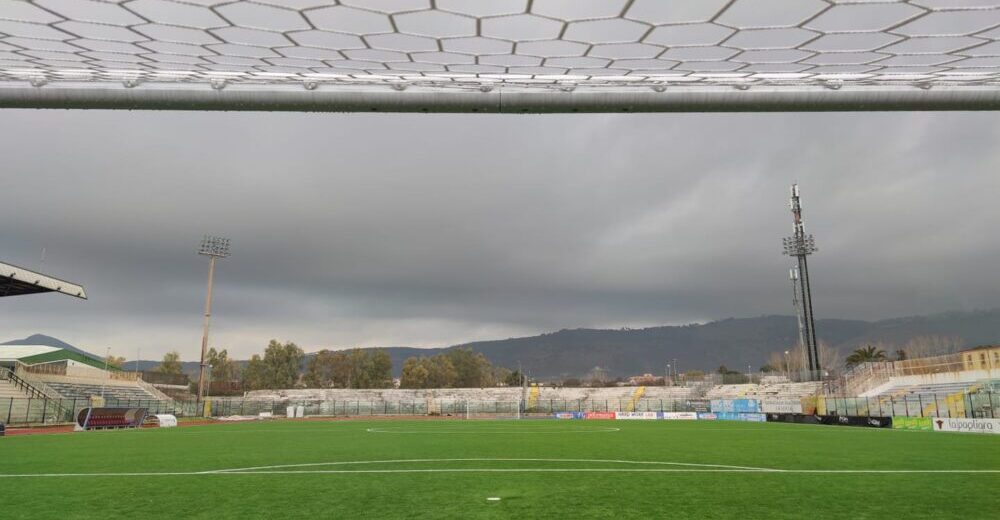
(213, 247)
(800, 245)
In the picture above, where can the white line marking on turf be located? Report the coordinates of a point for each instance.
(685, 467)
(403, 461)
(519, 470)
(478, 431)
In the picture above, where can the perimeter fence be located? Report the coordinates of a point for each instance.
(40, 410)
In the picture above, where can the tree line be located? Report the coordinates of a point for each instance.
(284, 365)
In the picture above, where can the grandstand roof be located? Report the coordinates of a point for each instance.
(36, 354)
(24, 351)
(15, 281)
(502, 55)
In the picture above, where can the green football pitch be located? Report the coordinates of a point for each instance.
(501, 469)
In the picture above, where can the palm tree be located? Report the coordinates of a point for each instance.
(865, 355)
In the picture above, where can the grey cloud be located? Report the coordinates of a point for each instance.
(429, 230)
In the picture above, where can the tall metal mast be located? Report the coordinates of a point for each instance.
(800, 245)
(213, 247)
(793, 275)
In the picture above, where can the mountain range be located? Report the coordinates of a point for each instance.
(734, 342)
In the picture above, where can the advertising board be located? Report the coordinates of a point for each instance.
(568, 415)
(678, 416)
(635, 415)
(706, 416)
(958, 424)
(781, 406)
(845, 420)
(599, 415)
(734, 416)
(736, 405)
(911, 423)
(793, 418)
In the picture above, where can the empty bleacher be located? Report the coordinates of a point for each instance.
(77, 390)
(784, 390)
(903, 389)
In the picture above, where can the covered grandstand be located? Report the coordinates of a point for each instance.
(16, 281)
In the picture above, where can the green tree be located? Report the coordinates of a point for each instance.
(428, 372)
(380, 369)
(281, 364)
(320, 370)
(115, 361)
(866, 354)
(472, 369)
(223, 368)
(171, 363)
(255, 374)
(414, 374)
(441, 372)
(513, 378)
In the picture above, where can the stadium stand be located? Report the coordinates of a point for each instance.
(777, 390)
(15, 281)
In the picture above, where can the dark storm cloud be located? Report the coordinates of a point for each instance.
(428, 230)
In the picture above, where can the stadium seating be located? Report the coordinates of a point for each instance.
(86, 391)
(936, 389)
(767, 390)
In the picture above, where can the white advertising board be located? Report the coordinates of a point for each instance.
(635, 415)
(680, 416)
(781, 406)
(958, 424)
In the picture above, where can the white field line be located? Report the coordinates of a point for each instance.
(404, 461)
(504, 431)
(517, 470)
(685, 467)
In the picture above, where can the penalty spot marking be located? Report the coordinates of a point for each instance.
(493, 499)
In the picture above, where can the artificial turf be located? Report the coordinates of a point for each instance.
(582, 475)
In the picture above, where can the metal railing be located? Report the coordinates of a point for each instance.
(40, 410)
(984, 404)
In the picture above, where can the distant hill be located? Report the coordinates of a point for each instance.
(49, 341)
(733, 342)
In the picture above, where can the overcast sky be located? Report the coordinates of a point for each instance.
(430, 230)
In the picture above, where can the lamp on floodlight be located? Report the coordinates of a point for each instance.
(213, 247)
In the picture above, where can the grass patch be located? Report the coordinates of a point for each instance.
(578, 469)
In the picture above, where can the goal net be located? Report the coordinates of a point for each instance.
(500, 55)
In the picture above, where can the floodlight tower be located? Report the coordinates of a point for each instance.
(793, 275)
(213, 247)
(800, 245)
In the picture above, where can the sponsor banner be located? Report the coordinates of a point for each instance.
(700, 405)
(678, 416)
(706, 416)
(781, 406)
(844, 420)
(635, 415)
(958, 424)
(736, 405)
(568, 415)
(733, 416)
(599, 415)
(911, 423)
(793, 418)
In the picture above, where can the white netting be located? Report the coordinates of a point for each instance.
(528, 44)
